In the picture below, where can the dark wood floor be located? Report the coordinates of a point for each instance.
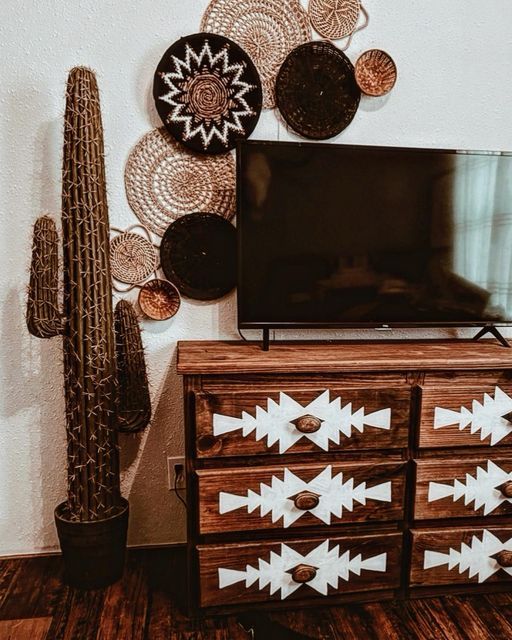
(34, 605)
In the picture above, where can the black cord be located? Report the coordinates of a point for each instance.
(241, 335)
(177, 491)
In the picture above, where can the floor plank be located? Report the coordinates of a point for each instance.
(29, 629)
(470, 625)
(148, 604)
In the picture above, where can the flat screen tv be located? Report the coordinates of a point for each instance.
(358, 236)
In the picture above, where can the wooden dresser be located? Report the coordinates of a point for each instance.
(346, 471)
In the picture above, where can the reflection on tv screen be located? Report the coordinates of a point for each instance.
(335, 234)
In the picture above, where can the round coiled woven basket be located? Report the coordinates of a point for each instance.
(133, 258)
(164, 181)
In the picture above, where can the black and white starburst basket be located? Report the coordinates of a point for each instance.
(207, 92)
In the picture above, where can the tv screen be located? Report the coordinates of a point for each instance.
(333, 235)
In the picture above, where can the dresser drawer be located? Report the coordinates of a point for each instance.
(295, 569)
(466, 416)
(460, 556)
(298, 421)
(455, 488)
(277, 497)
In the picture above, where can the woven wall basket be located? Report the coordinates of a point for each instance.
(159, 299)
(164, 181)
(198, 254)
(133, 258)
(207, 92)
(316, 91)
(266, 29)
(337, 19)
(375, 72)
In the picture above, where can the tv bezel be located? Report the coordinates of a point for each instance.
(265, 325)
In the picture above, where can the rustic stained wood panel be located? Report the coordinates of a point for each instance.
(461, 488)
(249, 423)
(266, 571)
(460, 556)
(476, 415)
(208, 357)
(277, 497)
(30, 629)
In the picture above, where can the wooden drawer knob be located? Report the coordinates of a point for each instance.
(307, 424)
(504, 558)
(506, 489)
(306, 500)
(303, 573)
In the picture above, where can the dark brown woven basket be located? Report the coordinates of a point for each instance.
(316, 91)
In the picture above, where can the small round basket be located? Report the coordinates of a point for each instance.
(159, 299)
(375, 72)
(316, 91)
(133, 258)
(334, 19)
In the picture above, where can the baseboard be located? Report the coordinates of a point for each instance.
(56, 552)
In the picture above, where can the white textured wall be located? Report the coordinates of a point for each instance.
(454, 90)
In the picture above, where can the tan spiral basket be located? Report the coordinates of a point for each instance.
(164, 181)
(133, 258)
(337, 19)
(267, 30)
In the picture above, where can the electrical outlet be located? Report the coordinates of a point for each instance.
(176, 467)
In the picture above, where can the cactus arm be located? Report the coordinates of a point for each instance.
(44, 319)
(134, 404)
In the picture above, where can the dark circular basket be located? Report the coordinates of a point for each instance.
(198, 254)
(207, 92)
(316, 91)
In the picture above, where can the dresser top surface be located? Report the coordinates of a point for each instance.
(223, 357)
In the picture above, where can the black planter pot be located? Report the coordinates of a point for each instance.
(93, 552)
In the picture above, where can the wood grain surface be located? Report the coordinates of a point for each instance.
(447, 472)
(207, 357)
(240, 481)
(453, 398)
(441, 541)
(153, 611)
(238, 556)
(244, 400)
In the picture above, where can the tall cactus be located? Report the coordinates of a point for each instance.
(89, 344)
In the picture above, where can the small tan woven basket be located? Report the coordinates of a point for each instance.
(375, 72)
(337, 19)
(267, 30)
(133, 258)
(159, 299)
(164, 181)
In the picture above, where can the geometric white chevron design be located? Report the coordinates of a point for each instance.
(334, 495)
(275, 421)
(480, 489)
(475, 557)
(229, 72)
(486, 417)
(331, 566)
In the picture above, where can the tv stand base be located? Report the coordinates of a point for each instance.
(266, 340)
(492, 330)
